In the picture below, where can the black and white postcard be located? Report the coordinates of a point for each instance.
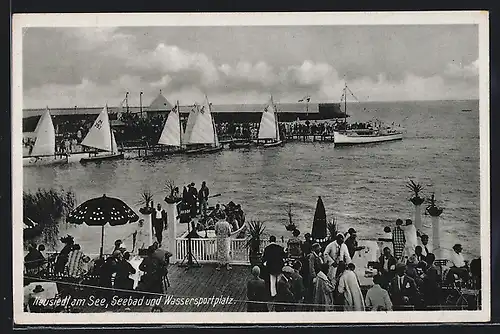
(251, 168)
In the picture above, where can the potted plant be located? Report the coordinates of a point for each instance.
(332, 229)
(173, 193)
(256, 230)
(290, 225)
(417, 201)
(147, 198)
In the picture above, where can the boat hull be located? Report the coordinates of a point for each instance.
(213, 149)
(166, 153)
(235, 145)
(104, 157)
(341, 139)
(44, 161)
(194, 151)
(273, 144)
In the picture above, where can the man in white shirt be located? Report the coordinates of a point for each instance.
(458, 264)
(159, 219)
(335, 252)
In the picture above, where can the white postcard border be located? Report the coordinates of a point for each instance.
(21, 21)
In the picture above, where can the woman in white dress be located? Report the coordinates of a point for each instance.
(349, 287)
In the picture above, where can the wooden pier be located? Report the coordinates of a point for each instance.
(328, 138)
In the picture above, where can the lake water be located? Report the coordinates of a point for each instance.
(362, 187)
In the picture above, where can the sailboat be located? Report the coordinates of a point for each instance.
(101, 137)
(201, 134)
(268, 128)
(44, 149)
(171, 135)
(374, 134)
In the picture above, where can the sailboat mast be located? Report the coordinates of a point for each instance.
(275, 119)
(345, 102)
(213, 124)
(180, 123)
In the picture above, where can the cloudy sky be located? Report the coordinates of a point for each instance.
(64, 67)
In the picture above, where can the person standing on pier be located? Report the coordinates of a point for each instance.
(335, 252)
(256, 292)
(398, 240)
(403, 289)
(192, 199)
(410, 238)
(284, 295)
(323, 290)
(426, 249)
(349, 287)
(159, 219)
(352, 243)
(273, 261)
(203, 198)
(223, 234)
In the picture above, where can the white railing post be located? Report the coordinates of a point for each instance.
(172, 220)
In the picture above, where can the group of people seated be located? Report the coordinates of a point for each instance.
(70, 261)
(231, 212)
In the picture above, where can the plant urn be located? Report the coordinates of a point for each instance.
(435, 212)
(417, 203)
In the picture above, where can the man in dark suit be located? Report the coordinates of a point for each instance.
(387, 267)
(403, 289)
(432, 282)
(192, 199)
(284, 288)
(273, 260)
(159, 220)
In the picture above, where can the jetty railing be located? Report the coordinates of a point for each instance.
(204, 250)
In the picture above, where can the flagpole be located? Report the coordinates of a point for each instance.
(140, 102)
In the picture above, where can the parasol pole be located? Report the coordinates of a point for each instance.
(102, 241)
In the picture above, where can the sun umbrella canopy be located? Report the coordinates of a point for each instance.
(101, 211)
(319, 230)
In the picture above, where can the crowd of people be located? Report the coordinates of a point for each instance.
(308, 275)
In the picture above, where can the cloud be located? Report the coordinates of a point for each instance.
(87, 66)
(454, 70)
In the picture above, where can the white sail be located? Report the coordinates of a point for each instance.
(268, 124)
(171, 134)
(99, 135)
(45, 142)
(190, 124)
(203, 130)
(114, 146)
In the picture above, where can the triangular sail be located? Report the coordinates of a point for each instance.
(203, 129)
(45, 142)
(171, 134)
(114, 147)
(267, 127)
(193, 114)
(99, 135)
